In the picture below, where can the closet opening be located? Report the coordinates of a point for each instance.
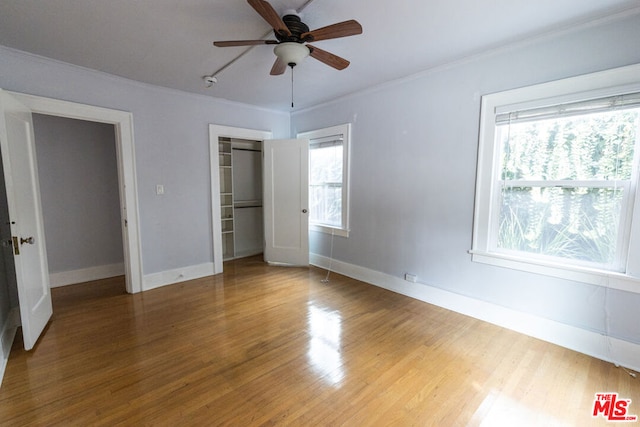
(240, 169)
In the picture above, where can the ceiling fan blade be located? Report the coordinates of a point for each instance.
(328, 58)
(341, 29)
(267, 12)
(278, 67)
(243, 43)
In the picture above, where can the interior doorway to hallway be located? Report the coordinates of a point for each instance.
(122, 123)
(78, 174)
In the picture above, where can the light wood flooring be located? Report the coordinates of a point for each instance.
(263, 345)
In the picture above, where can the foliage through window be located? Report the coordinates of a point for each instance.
(558, 177)
(325, 183)
(564, 183)
(328, 178)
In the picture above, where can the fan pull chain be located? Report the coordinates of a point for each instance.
(291, 86)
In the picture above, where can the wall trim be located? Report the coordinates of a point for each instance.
(82, 275)
(6, 338)
(177, 275)
(594, 344)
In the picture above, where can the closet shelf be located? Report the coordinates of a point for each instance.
(240, 197)
(239, 204)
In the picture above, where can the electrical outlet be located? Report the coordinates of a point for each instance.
(410, 277)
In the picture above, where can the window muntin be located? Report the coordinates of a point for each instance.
(329, 179)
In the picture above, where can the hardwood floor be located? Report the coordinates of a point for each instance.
(263, 345)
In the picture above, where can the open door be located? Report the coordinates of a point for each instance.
(17, 147)
(285, 201)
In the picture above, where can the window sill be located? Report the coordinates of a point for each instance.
(608, 279)
(334, 231)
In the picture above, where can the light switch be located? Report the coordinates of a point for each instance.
(159, 189)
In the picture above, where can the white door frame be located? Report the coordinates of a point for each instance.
(215, 132)
(125, 151)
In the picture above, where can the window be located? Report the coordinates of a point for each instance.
(328, 179)
(558, 179)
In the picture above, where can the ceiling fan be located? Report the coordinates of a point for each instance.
(292, 38)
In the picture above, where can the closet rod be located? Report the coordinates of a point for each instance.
(245, 207)
(247, 149)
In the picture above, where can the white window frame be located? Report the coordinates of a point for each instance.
(617, 81)
(343, 132)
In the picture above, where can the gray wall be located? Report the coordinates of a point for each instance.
(420, 136)
(78, 175)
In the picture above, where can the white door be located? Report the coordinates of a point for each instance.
(286, 200)
(17, 147)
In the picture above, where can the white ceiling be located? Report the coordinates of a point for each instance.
(169, 42)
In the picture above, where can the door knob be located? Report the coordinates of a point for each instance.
(304, 211)
(28, 240)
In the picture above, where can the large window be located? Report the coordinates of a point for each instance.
(558, 178)
(328, 179)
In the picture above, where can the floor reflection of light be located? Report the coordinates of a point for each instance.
(324, 355)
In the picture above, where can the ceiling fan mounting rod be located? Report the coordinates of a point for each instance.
(233, 61)
(303, 7)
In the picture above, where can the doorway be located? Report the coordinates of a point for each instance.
(285, 195)
(125, 154)
(248, 143)
(77, 170)
(241, 197)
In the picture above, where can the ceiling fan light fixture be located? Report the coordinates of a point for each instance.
(291, 53)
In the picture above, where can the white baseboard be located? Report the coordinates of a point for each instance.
(72, 277)
(7, 335)
(169, 277)
(594, 344)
